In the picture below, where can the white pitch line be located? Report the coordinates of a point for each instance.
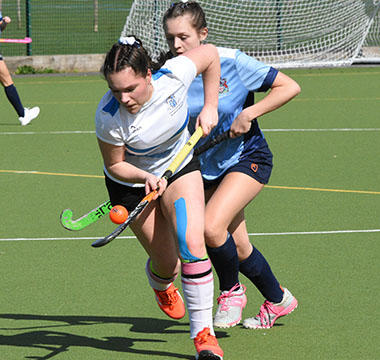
(62, 238)
(250, 234)
(316, 232)
(265, 130)
(321, 130)
(48, 132)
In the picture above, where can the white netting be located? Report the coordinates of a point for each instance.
(370, 52)
(282, 33)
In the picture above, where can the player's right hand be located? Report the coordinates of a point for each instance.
(207, 119)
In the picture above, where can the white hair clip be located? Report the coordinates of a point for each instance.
(129, 40)
(183, 4)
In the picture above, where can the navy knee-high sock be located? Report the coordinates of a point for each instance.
(257, 269)
(226, 263)
(14, 99)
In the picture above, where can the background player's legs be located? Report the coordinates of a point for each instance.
(10, 89)
(25, 115)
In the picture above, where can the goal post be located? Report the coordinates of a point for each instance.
(282, 33)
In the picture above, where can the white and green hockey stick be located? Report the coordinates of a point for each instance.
(85, 220)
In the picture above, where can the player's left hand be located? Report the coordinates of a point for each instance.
(154, 183)
(162, 185)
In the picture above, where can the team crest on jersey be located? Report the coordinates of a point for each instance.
(134, 128)
(223, 86)
(172, 102)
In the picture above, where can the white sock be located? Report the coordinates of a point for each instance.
(198, 290)
(155, 281)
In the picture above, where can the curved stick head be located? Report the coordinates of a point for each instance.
(66, 219)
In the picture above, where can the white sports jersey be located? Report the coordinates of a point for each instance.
(154, 135)
(241, 75)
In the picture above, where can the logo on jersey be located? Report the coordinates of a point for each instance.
(172, 103)
(134, 128)
(223, 87)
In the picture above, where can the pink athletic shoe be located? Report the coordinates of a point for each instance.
(270, 312)
(230, 306)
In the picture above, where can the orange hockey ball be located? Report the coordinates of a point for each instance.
(118, 214)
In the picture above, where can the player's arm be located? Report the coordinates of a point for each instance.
(207, 62)
(114, 162)
(282, 90)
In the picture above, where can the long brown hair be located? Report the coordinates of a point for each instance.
(192, 8)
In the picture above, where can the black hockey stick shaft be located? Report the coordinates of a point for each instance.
(212, 142)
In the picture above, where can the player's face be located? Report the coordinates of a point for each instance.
(181, 36)
(130, 89)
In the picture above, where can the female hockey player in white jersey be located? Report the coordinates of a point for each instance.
(235, 171)
(141, 124)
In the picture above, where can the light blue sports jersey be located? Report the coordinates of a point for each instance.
(241, 75)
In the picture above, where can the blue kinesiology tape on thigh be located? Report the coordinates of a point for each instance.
(181, 215)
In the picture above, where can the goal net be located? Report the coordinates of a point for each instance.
(370, 52)
(282, 33)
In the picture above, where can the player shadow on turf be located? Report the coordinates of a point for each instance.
(57, 342)
(139, 324)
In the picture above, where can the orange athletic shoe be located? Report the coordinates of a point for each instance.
(170, 302)
(207, 346)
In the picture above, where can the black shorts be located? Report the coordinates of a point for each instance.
(129, 196)
(257, 164)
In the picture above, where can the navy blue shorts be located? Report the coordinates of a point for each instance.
(129, 196)
(257, 164)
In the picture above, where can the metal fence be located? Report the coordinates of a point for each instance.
(60, 27)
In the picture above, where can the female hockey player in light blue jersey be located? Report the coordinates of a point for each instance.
(235, 171)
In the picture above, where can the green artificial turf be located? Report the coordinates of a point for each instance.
(62, 299)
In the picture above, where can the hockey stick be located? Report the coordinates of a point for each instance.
(212, 142)
(148, 198)
(85, 220)
(26, 40)
(104, 208)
